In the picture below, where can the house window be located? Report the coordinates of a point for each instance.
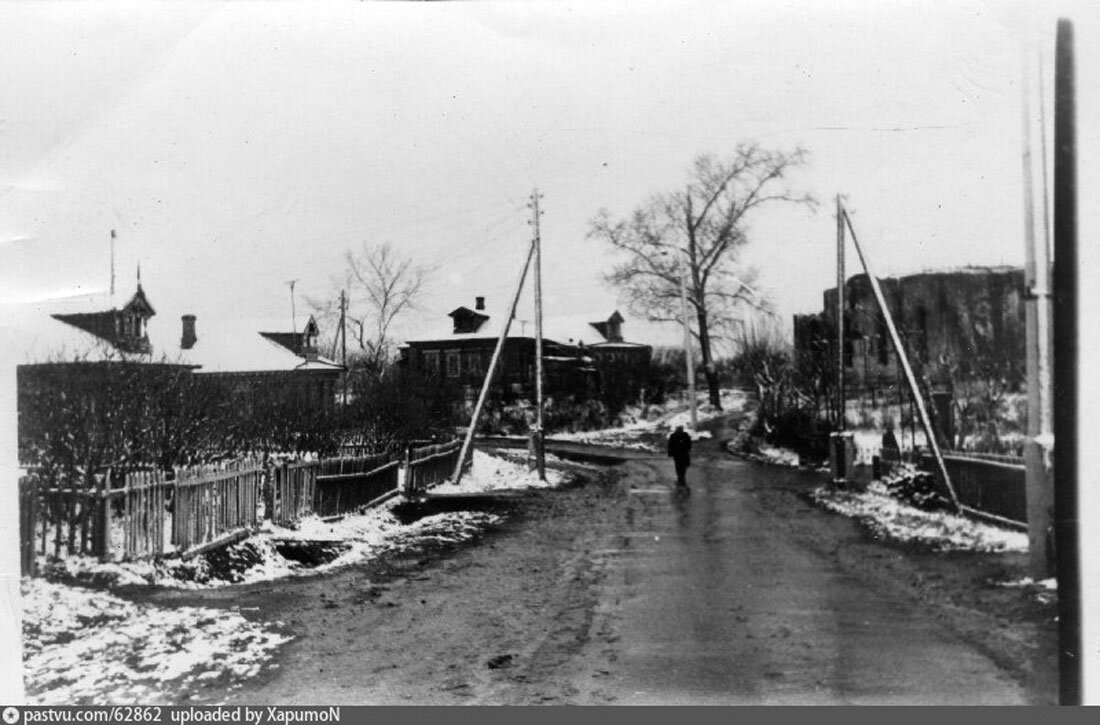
(454, 364)
(473, 362)
(431, 362)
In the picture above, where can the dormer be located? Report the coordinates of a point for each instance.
(611, 328)
(467, 320)
(126, 328)
(302, 343)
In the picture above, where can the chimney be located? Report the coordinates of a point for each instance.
(188, 340)
(479, 303)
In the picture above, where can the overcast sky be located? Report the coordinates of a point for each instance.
(238, 146)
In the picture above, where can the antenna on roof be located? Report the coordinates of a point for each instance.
(293, 316)
(112, 263)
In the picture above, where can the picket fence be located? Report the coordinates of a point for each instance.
(432, 465)
(141, 514)
(344, 485)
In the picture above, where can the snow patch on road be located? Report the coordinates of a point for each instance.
(89, 647)
(892, 519)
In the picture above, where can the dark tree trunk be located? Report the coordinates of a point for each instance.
(708, 364)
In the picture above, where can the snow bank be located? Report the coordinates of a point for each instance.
(491, 473)
(89, 647)
(892, 519)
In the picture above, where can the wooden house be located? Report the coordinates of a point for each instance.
(575, 350)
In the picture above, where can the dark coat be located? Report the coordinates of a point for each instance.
(679, 447)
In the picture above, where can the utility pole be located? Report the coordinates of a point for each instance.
(842, 444)
(903, 358)
(457, 476)
(344, 340)
(293, 316)
(841, 397)
(680, 267)
(1066, 381)
(539, 434)
(1037, 449)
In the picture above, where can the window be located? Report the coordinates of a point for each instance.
(473, 363)
(454, 364)
(431, 362)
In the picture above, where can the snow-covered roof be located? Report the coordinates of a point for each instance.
(234, 344)
(566, 329)
(31, 335)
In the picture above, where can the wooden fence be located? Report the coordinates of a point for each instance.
(28, 518)
(64, 517)
(213, 505)
(290, 493)
(144, 514)
(348, 484)
(431, 465)
(133, 515)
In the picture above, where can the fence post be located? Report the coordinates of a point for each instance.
(104, 537)
(28, 505)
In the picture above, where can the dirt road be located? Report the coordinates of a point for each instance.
(617, 590)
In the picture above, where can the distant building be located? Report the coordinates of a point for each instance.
(955, 324)
(259, 357)
(94, 330)
(577, 350)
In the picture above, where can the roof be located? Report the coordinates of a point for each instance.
(32, 335)
(234, 344)
(567, 329)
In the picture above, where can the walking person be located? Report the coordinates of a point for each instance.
(679, 450)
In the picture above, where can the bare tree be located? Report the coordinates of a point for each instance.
(381, 284)
(703, 227)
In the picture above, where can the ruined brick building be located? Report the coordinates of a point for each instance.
(958, 324)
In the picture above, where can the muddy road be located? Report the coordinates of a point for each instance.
(617, 590)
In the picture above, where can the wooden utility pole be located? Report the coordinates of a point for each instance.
(539, 434)
(344, 340)
(1037, 449)
(1066, 390)
(903, 358)
(492, 368)
(840, 396)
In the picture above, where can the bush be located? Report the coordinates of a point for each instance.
(916, 488)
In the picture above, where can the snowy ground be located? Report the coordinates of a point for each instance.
(82, 646)
(91, 647)
(889, 518)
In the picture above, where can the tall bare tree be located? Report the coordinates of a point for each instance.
(703, 227)
(382, 284)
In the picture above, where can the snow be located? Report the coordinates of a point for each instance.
(778, 455)
(892, 519)
(90, 647)
(352, 539)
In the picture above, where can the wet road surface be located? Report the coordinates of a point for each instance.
(714, 598)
